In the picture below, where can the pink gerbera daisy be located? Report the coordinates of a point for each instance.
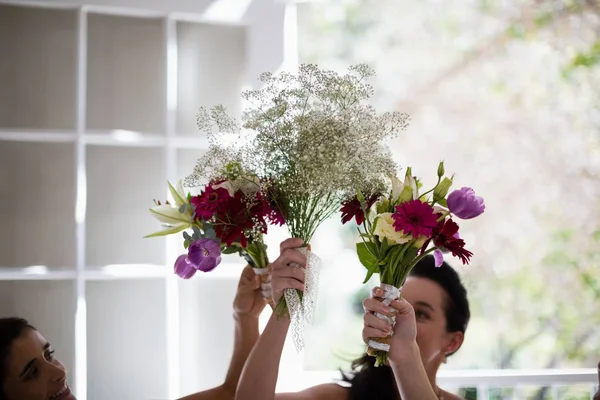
(415, 218)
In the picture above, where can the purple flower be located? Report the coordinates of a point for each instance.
(204, 254)
(183, 268)
(438, 258)
(465, 204)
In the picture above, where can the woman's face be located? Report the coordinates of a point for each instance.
(32, 371)
(429, 302)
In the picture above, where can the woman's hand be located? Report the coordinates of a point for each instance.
(249, 300)
(284, 276)
(404, 331)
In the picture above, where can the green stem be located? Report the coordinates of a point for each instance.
(416, 260)
(257, 254)
(443, 216)
(436, 185)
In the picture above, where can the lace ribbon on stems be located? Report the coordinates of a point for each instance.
(303, 310)
(265, 282)
(390, 293)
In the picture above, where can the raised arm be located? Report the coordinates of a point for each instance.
(247, 306)
(259, 376)
(404, 356)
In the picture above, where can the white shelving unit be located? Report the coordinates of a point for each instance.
(97, 112)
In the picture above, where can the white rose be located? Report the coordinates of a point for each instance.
(385, 229)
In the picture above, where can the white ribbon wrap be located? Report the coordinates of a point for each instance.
(304, 310)
(390, 293)
(265, 279)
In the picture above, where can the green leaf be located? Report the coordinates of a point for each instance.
(409, 255)
(209, 231)
(197, 231)
(370, 272)
(385, 245)
(366, 254)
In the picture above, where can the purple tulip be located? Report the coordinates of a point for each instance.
(183, 268)
(438, 258)
(465, 204)
(204, 254)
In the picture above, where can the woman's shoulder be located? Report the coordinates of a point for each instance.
(325, 391)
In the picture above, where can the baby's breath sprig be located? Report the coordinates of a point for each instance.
(312, 135)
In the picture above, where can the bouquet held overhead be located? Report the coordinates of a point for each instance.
(308, 146)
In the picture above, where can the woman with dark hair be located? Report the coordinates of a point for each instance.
(432, 318)
(29, 370)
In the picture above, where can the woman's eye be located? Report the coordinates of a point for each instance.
(421, 315)
(32, 374)
(50, 355)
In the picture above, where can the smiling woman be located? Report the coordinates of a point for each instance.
(28, 369)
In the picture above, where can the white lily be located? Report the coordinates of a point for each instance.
(397, 187)
(410, 181)
(178, 194)
(169, 215)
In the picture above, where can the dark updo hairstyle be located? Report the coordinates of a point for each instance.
(10, 330)
(370, 382)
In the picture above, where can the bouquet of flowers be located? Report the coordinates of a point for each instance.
(312, 137)
(230, 215)
(400, 228)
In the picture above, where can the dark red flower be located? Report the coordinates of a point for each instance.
(232, 221)
(207, 203)
(230, 234)
(353, 209)
(445, 236)
(415, 218)
(266, 210)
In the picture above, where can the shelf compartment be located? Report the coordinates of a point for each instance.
(211, 63)
(126, 343)
(38, 205)
(122, 183)
(126, 76)
(37, 75)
